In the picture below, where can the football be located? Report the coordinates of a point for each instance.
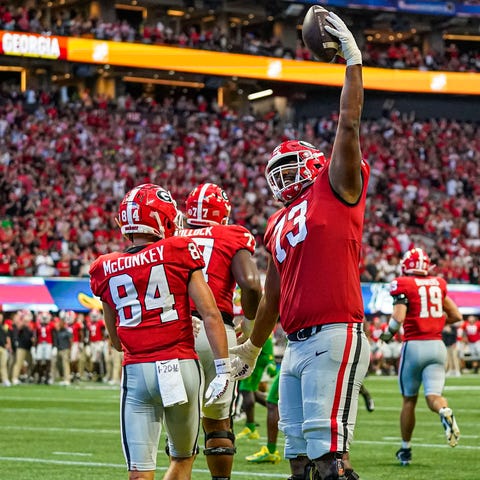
(321, 44)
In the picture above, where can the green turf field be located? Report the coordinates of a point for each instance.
(57, 433)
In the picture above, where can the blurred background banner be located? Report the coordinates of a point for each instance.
(54, 294)
(51, 294)
(25, 293)
(72, 294)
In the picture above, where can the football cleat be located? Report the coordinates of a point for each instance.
(369, 403)
(248, 434)
(452, 432)
(264, 456)
(404, 455)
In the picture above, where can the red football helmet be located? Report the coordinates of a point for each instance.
(415, 262)
(208, 204)
(151, 209)
(293, 166)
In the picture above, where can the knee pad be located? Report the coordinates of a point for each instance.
(220, 450)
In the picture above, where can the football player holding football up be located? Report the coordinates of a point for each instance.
(313, 282)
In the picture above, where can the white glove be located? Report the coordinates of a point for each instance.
(218, 386)
(349, 51)
(246, 327)
(197, 325)
(244, 360)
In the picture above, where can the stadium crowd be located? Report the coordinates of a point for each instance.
(65, 166)
(397, 54)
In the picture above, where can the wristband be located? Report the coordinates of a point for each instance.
(393, 326)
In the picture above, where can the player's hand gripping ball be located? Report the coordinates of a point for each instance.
(320, 42)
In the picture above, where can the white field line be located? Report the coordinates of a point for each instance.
(61, 429)
(65, 411)
(423, 445)
(385, 440)
(118, 465)
(73, 454)
(52, 399)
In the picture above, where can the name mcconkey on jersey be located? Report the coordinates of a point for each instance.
(152, 255)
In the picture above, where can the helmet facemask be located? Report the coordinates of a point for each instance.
(288, 174)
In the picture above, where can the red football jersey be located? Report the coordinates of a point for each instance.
(45, 332)
(77, 328)
(148, 288)
(471, 330)
(315, 243)
(97, 330)
(218, 245)
(425, 318)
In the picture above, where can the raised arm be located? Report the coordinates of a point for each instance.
(344, 172)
